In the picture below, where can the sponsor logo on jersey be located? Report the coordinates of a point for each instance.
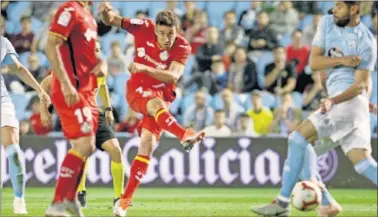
(65, 17)
(141, 52)
(150, 44)
(86, 127)
(164, 55)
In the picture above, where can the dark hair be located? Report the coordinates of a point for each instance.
(244, 115)
(25, 18)
(295, 31)
(256, 93)
(219, 111)
(262, 12)
(115, 43)
(351, 3)
(138, 12)
(229, 42)
(229, 12)
(167, 18)
(318, 12)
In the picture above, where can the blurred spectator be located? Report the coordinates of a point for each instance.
(313, 93)
(242, 76)
(172, 6)
(130, 124)
(245, 126)
(305, 7)
(231, 31)
(212, 50)
(187, 19)
(3, 27)
(129, 37)
(231, 108)
(39, 9)
(299, 54)
(229, 50)
(196, 34)
(25, 128)
(212, 80)
(36, 69)
(103, 29)
(4, 7)
(309, 31)
(199, 115)
(116, 60)
(285, 19)
(40, 39)
(23, 40)
(374, 26)
(35, 119)
(219, 129)
(286, 116)
(366, 7)
(280, 76)
(247, 18)
(262, 38)
(261, 116)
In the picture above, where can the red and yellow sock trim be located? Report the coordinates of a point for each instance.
(160, 112)
(142, 159)
(77, 154)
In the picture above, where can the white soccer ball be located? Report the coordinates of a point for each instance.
(306, 196)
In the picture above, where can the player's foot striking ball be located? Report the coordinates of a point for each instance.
(160, 59)
(343, 117)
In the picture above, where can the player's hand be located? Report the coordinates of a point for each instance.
(326, 105)
(136, 67)
(70, 94)
(109, 117)
(44, 98)
(101, 69)
(46, 117)
(373, 108)
(351, 61)
(104, 6)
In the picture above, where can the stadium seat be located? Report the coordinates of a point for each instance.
(190, 62)
(217, 102)
(107, 40)
(367, 20)
(324, 6)
(307, 21)
(201, 4)
(9, 27)
(128, 9)
(36, 25)
(156, 7)
(16, 10)
(373, 122)
(297, 99)
(285, 40)
(20, 102)
(216, 11)
(241, 6)
(374, 94)
(120, 83)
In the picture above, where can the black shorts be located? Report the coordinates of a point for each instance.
(104, 132)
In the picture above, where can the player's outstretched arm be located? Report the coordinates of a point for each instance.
(46, 117)
(46, 83)
(170, 76)
(24, 74)
(108, 16)
(320, 62)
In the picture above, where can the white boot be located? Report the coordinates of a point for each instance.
(19, 206)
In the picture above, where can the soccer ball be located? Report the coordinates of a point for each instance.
(306, 196)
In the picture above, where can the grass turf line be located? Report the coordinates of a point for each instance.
(190, 201)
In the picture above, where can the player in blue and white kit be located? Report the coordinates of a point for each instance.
(346, 48)
(9, 123)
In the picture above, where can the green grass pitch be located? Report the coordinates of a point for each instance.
(190, 201)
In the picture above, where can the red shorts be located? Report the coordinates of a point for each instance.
(137, 97)
(79, 120)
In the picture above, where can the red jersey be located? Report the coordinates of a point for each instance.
(199, 39)
(302, 55)
(74, 23)
(37, 126)
(148, 52)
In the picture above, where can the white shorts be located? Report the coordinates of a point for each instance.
(8, 115)
(346, 124)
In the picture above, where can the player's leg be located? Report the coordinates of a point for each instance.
(158, 109)
(82, 190)
(298, 141)
(137, 170)
(10, 140)
(112, 147)
(364, 163)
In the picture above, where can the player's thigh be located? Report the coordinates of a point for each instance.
(153, 105)
(84, 145)
(357, 144)
(147, 142)
(307, 130)
(9, 124)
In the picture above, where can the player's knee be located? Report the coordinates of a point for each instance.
(114, 150)
(357, 155)
(9, 136)
(154, 105)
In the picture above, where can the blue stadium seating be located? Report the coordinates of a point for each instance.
(128, 9)
(16, 10)
(216, 11)
(374, 95)
(156, 7)
(285, 40)
(9, 26)
(307, 21)
(20, 102)
(107, 40)
(189, 100)
(373, 122)
(36, 25)
(297, 99)
(367, 20)
(120, 83)
(189, 67)
(217, 102)
(241, 6)
(201, 4)
(324, 6)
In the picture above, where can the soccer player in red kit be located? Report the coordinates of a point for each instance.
(160, 58)
(71, 52)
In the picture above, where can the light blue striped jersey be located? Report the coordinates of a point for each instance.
(348, 41)
(7, 50)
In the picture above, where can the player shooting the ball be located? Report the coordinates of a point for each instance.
(160, 59)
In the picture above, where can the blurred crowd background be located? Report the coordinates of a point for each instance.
(248, 74)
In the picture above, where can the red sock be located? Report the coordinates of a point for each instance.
(69, 177)
(169, 123)
(137, 171)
